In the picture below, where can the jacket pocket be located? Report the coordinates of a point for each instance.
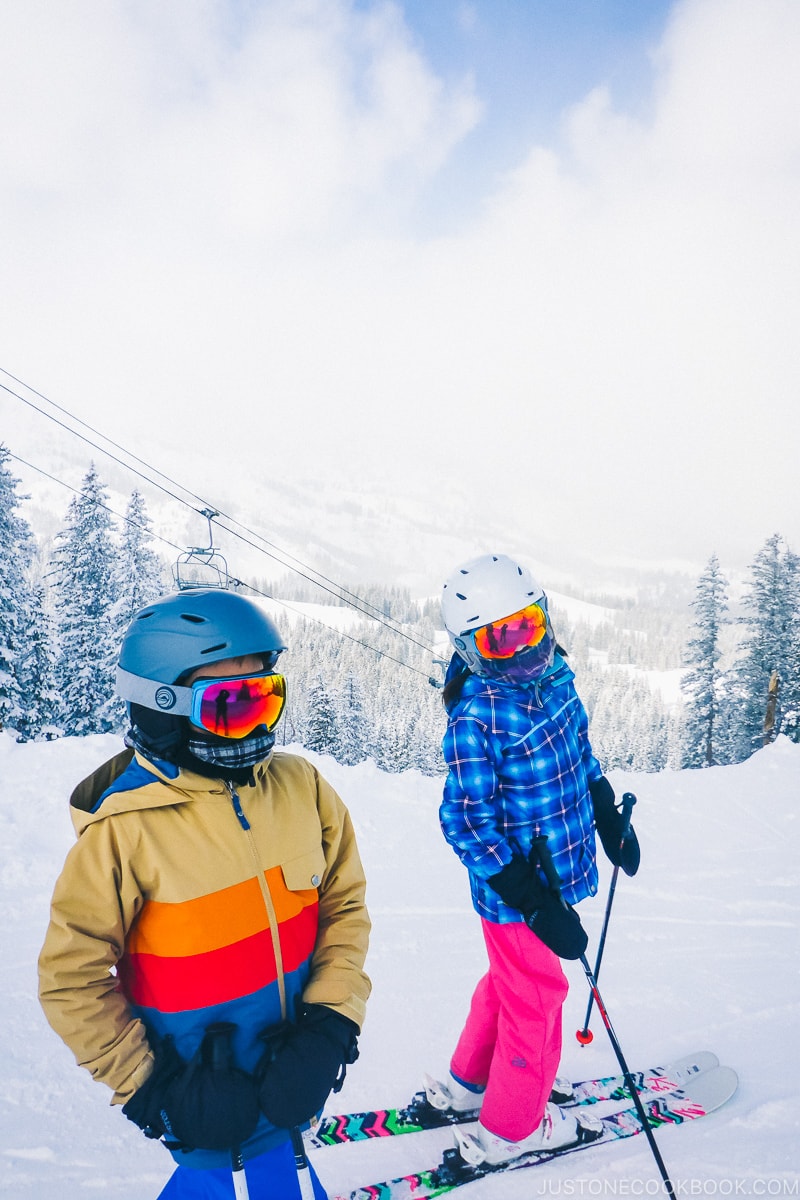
(305, 872)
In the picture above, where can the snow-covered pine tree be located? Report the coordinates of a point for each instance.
(85, 582)
(675, 738)
(424, 749)
(140, 573)
(426, 734)
(768, 647)
(628, 725)
(351, 722)
(788, 718)
(321, 732)
(392, 741)
(37, 672)
(702, 683)
(16, 553)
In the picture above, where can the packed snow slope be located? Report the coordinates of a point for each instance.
(702, 953)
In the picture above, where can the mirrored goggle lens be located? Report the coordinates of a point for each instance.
(520, 631)
(235, 707)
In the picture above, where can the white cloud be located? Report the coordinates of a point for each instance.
(216, 219)
(728, 106)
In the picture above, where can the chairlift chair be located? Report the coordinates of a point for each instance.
(202, 566)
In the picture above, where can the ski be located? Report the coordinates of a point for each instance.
(420, 1114)
(703, 1095)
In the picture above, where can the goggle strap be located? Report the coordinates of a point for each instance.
(164, 697)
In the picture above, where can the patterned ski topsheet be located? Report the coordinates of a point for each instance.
(419, 1114)
(709, 1091)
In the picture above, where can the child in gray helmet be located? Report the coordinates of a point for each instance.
(205, 953)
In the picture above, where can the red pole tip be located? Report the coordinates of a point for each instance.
(584, 1036)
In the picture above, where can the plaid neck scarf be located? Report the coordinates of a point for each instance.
(219, 756)
(232, 753)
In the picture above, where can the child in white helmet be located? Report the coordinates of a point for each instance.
(520, 769)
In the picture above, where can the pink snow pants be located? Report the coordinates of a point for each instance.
(511, 1041)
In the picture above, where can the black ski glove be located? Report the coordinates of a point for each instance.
(554, 922)
(304, 1063)
(518, 885)
(622, 848)
(206, 1104)
(144, 1106)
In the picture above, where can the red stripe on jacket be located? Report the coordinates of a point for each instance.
(178, 984)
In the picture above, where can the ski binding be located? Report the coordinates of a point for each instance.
(588, 1129)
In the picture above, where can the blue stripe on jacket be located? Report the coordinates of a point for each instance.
(519, 764)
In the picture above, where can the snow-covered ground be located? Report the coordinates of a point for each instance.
(332, 616)
(580, 611)
(703, 953)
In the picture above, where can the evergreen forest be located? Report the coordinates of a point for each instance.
(370, 687)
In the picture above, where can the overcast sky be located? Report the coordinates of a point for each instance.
(546, 252)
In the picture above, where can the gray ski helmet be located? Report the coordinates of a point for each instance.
(180, 632)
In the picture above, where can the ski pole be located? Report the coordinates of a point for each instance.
(301, 1163)
(240, 1188)
(273, 1040)
(585, 1035)
(548, 866)
(217, 1044)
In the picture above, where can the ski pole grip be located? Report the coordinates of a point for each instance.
(217, 1050)
(628, 801)
(541, 851)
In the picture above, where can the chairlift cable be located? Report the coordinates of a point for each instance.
(86, 425)
(338, 591)
(264, 595)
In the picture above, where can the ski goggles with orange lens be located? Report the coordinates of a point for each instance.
(507, 637)
(236, 706)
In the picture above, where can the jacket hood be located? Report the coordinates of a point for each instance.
(129, 782)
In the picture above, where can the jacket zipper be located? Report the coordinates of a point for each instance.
(267, 897)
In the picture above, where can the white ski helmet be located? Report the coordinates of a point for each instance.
(483, 592)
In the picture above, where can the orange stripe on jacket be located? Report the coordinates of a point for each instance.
(185, 982)
(217, 920)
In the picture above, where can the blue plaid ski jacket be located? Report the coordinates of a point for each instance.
(519, 764)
